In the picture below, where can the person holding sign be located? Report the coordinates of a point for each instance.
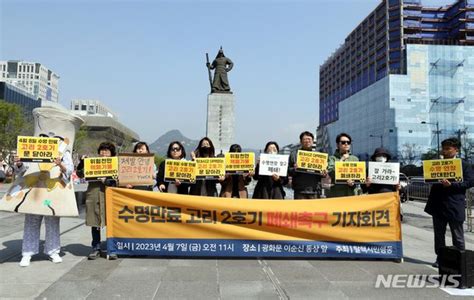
(31, 231)
(269, 187)
(175, 151)
(305, 185)
(142, 148)
(95, 200)
(234, 185)
(342, 153)
(206, 187)
(380, 155)
(447, 200)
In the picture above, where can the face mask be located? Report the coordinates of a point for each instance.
(272, 152)
(381, 159)
(204, 150)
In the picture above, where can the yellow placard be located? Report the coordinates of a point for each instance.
(37, 149)
(350, 170)
(311, 162)
(182, 170)
(210, 168)
(101, 167)
(435, 170)
(136, 169)
(238, 163)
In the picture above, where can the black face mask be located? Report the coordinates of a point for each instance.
(204, 150)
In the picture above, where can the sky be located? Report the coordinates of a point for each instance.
(145, 59)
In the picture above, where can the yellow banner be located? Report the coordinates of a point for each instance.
(435, 170)
(182, 170)
(238, 163)
(101, 167)
(311, 162)
(350, 170)
(152, 223)
(210, 168)
(37, 149)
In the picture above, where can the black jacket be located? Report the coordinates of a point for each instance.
(449, 202)
(267, 188)
(160, 179)
(305, 183)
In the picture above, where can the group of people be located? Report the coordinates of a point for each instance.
(445, 203)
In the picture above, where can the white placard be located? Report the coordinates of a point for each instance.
(384, 173)
(273, 164)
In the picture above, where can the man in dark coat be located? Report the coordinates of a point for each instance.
(446, 202)
(305, 185)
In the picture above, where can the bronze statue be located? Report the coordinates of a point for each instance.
(221, 65)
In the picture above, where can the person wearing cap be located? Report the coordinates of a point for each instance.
(342, 153)
(447, 200)
(380, 155)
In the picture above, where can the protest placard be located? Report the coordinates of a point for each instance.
(273, 164)
(435, 170)
(37, 149)
(384, 173)
(311, 162)
(239, 163)
(210, 168)
(181, 170)
(101, 167)
(136, 169)
(353, 170)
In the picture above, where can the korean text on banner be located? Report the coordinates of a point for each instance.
(37, 149)
(162, 224)
(101, 167)
(210, 168)
(435, 170)
(384, 173)
(273, 164)
(239, 163)
(311, 162)
(354, 170)
(136, 168)
(182, 170)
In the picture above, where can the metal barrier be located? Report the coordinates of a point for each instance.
(469, 200)
(418, 189)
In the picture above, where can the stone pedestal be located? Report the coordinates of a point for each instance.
(220, 121)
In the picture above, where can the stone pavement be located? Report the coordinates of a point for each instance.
(184, 278)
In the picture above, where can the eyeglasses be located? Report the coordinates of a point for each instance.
(345, 142)
(175, 149)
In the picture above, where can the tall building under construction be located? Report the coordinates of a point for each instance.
(403, 76)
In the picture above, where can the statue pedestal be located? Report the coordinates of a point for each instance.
(220, 121)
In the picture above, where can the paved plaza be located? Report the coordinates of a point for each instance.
(222, 278)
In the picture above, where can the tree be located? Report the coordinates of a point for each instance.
(12, 124)
(431, 154)
(159, 159)
(409, 154)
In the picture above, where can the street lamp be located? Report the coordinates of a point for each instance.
(378, 136)
(437, 132)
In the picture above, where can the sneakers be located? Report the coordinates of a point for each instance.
(55, 258)
(25, 261)
(94, 254)
(113, 257)
(435, 264)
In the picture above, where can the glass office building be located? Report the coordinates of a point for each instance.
(404, 64)
(403, 109)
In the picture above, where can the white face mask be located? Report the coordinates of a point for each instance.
(272, 152)
(381, 159)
